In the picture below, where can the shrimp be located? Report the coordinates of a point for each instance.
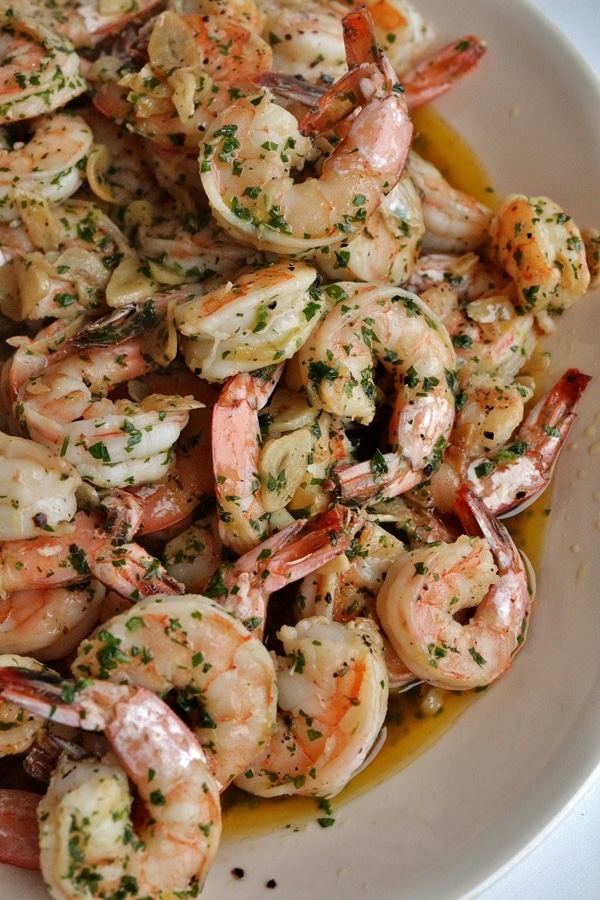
(425, 590)
(18, 828)
(49, 623)
(372, 323)
(250, 151)
(243, 520)
(194, 63)
(454, 221)
(333, 693)
(256, 321)
(511, 476)
(222, 674)
(39, 490)
(48, 166)
(98, 546)
(111, 443)
(39, 70)
(88, 839)
(85, 24)
(539, 246)
(19, 728)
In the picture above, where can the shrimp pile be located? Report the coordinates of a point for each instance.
(268, 387)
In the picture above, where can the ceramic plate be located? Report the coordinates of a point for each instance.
(518, 756)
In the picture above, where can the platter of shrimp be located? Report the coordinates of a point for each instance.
(298, 414)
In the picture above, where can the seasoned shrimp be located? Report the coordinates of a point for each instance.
(38, 490)
(243, 520)
(393, 327)
(258, 320)
(251, 150)
(87, 834)
(425, 589)
(85, 24)
(48, 166)
(333, 692)
(510, 477)
(223, 675)
(539, 245)
(111, 443)
(18, 727)
(39, 70)
(49, 623)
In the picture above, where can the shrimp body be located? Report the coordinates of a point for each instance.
(377, 323)
(48, 167)
(89, 845)
(251, 150)
(39, 71)
(333, 692)
(427, 587)
(191, 645)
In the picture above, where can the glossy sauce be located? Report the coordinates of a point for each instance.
(411, 727)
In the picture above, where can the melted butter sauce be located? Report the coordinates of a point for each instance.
(411, 726)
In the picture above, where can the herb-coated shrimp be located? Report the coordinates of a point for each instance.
(257, 320)
(111, 443)
(251, 150)
(48, 166)
(333, 692)
(85, 24)
(511, 476)
(39, 71)
(89, 844)
(18, 727)
(376, 323)
(425, 589)
(223, 674)
(540, 246)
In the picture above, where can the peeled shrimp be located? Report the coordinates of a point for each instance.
(333, 692)
(89, 845)
(425, 589)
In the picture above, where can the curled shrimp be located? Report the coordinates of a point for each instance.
(39, 70)
(222, 674)
(333, 692)
(540, 246)
(426, 588)
(371, 323)
(252, 149)
(87, 835)
(85, 24)
(45, 167)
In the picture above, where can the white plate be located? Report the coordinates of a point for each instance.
(518, 756)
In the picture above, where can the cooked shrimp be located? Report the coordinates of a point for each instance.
(48, 166)
(425, 590)
(333, 693)
(49, 623)
(256, 321)
(251, 150)
(244, 587)
(454, 221)
(539, 245)
(223, 675)
(511, 476)
(236, 443)
(195, 63)
(85, 24)
(491, 410)
(38, 491)
(393, 327)
(39, 70)
(111, 443)
(18, 828)
(88, 839)
(193, 556)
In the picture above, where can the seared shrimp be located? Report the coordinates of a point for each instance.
(222, 674)
(376, 323)
(333, 692)
(251, 151)
(87, 835)
(425, 590)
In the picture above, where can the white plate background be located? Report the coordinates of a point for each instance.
(519, 756)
